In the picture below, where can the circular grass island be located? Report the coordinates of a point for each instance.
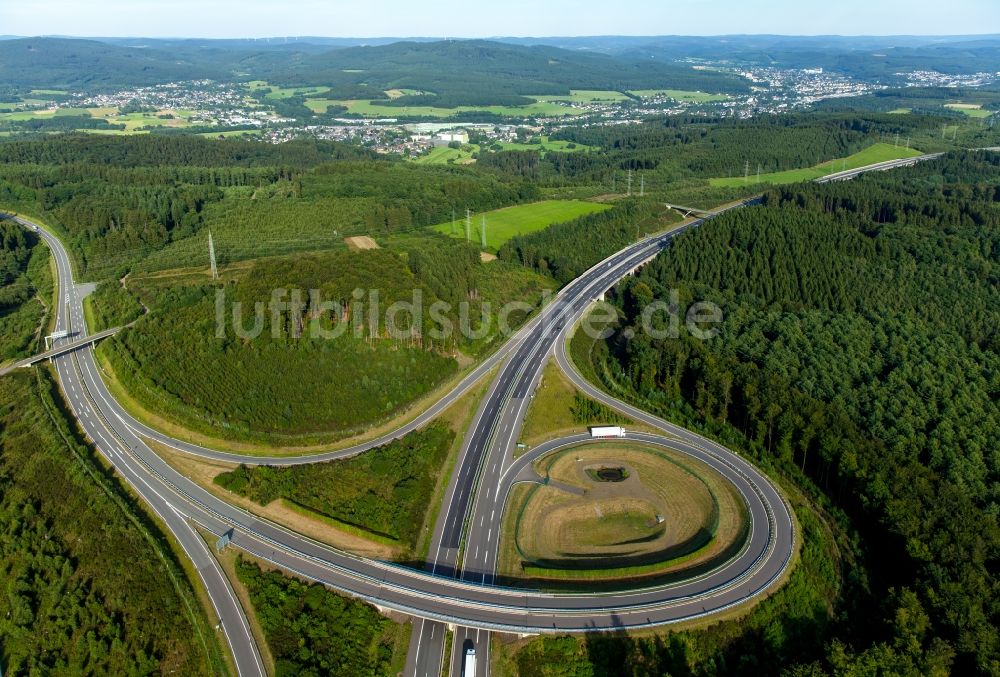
(617, 514)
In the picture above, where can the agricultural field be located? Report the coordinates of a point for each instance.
(879, 152)
(366, 108)
(620, 510)
(133, 122)
(441, 155)
(444, 155)
(973, 110)
(585, 96)
(680, 95)
(546, 144)
(275, 93)
(503, 224)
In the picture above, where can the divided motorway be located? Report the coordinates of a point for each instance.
(478, 489)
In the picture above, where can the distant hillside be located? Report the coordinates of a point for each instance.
(474, 71)
(867, 57)
(61, 63)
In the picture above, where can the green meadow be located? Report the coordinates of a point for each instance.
(879, 152)
(366, 108)
(680, 95)
(503, 224)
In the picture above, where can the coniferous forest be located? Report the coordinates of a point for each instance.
(859, 354)
(858, 363)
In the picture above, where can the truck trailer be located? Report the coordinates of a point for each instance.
(601, 431)
(469, 667)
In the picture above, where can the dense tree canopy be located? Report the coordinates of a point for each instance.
(860, 345)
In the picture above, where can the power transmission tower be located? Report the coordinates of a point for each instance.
(642, 185)
(907, 142)
(896, 144)
(758, 172)
(482, 232)
(746, 171)
(468, 226)
(630, 182)
(211, 257)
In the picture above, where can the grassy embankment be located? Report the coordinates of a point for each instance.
(879, 152)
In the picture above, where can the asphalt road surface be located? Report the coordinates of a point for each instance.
(454, 591)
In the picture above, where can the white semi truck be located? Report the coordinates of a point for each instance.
(469, 667)
(601, 431)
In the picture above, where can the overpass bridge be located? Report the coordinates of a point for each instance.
(60, 349)
(689, 211)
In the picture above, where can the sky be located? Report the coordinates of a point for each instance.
(477, 18)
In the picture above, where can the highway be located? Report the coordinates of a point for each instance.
(69, 318)
(458, 590)
(63, 347)
(181, 503)
(849, 174)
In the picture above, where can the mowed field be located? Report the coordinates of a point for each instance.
(132, 121)
(680, 95)
(670, 513)
(503, 224)
(879, 152)
(973, 110)
(366, 108)
(585, 96)
(444, 155)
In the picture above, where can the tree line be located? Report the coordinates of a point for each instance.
(859, 349)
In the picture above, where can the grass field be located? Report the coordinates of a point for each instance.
(132, 121)
(366, 108)
(879, 152)
(670, 514)
(396, 93)
(503, 224)
(680, 95)
(973, 110)
(546, 145)
(277, 93)
(901, 111)
(444, 155)
(441, 155)
(585, 96)
(553, 411)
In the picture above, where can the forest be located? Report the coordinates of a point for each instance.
(460, 71)
(313, 632)
(859, 351)
(565, 250)
(90, 584)
(25, 290)
(384, 492)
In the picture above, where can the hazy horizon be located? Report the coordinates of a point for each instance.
(250, 19)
